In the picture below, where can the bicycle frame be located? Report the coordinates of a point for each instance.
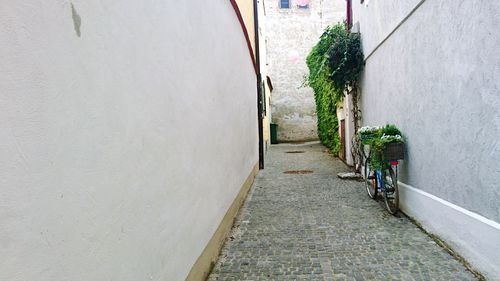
(384, 180)
(379, 175)
(380, 182)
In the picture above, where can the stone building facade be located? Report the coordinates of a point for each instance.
(290, 35)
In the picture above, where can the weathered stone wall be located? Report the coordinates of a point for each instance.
(291, 33)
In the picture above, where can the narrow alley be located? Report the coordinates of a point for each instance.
(202, 140)
(310, 225)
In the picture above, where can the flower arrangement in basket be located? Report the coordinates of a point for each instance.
(368, 133)
(387, 144)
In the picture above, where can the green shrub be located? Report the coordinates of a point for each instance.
(391, 130)
(390, 134)
(334, 63)
(345, 58)
(367, 134)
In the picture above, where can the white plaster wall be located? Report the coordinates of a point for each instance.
(379, 18)
(475, 237)
(349, 128)
(436, 78)
(291, 33)
(121, 149)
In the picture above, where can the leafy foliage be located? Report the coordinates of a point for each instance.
(366, 134)
(345, 58)
(391, 130)
(378, 138)
(334, 63)
(328, 125)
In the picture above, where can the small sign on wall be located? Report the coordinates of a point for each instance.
(302, 3)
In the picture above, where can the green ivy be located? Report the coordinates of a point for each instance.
(334, 63)
(345, 58)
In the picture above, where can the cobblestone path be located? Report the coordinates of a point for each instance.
(318, 227)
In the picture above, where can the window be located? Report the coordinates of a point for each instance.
(285, 4)
(304, 6)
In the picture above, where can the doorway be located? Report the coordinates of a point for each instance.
(342, 140)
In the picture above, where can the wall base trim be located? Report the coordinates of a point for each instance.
(207, 259)
(471, 235)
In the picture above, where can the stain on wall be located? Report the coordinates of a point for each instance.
(77, 20)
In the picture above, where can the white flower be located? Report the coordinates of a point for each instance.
(389, 137)
(367, 129)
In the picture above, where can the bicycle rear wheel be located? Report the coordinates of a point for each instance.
(391, 190)
(370, 180)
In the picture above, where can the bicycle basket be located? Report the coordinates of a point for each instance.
(394, 151)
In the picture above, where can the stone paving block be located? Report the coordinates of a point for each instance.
(318, 227)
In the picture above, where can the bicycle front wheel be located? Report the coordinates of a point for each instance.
(391, 190)
(370, 180)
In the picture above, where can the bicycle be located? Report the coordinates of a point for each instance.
(385, 180)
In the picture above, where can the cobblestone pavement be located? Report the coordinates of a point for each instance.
(318, 227)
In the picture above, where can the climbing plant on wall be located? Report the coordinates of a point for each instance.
(334, 63)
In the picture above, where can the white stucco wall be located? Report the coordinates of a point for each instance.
(436, 78)
(345, 112)
(379, 18)
(122, 148)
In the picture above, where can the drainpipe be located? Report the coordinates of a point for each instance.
(349, 15)
(259, 85)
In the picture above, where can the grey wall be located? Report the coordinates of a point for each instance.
(291, 33)
(124, 144)
(379, 18)
(436, 78)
